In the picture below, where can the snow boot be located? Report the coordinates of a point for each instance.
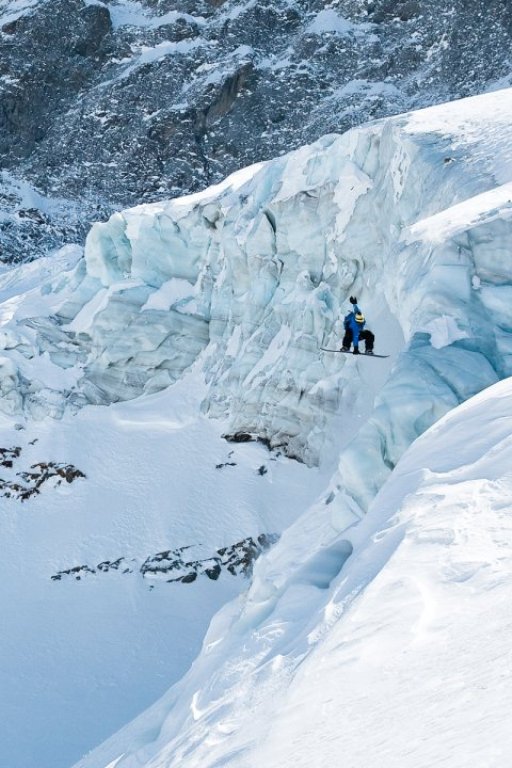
(345, 349)
(356, 351)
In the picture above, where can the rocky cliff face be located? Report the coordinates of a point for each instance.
(106, 104)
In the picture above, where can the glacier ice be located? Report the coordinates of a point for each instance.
(251, 277)
(413, 215)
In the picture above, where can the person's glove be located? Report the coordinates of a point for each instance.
(353, 300)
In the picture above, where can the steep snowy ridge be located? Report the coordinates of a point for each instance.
(397, 660)
(450, 296)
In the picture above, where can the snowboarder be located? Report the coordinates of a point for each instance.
(354, 325)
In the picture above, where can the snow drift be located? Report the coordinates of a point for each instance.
(400, 659)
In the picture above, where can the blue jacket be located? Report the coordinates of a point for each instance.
(351, 322)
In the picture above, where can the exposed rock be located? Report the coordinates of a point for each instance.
(173, 565)
(77, 572)
(8, 455)
(103, 113)
(33, 479)
(10, 28)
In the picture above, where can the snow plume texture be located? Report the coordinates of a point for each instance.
(204, 318)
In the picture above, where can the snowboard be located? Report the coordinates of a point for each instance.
(361, 354)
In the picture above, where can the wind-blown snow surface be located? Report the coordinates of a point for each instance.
(403, 658)
(217, 305)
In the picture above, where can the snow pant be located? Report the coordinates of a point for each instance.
(367, 336)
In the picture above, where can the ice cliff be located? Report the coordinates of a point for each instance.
(413, 214)
(251, 278)
(231, 293)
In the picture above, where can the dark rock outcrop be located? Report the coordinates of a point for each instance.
(107, 109)
(177, 565)
(25, 484)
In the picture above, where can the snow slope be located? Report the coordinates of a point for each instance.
(339, 607)
(83, 651)
(186, 328)
(401, 658)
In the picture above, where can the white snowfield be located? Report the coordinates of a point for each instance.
(399, 656)
(217, 305)
(82, 653)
